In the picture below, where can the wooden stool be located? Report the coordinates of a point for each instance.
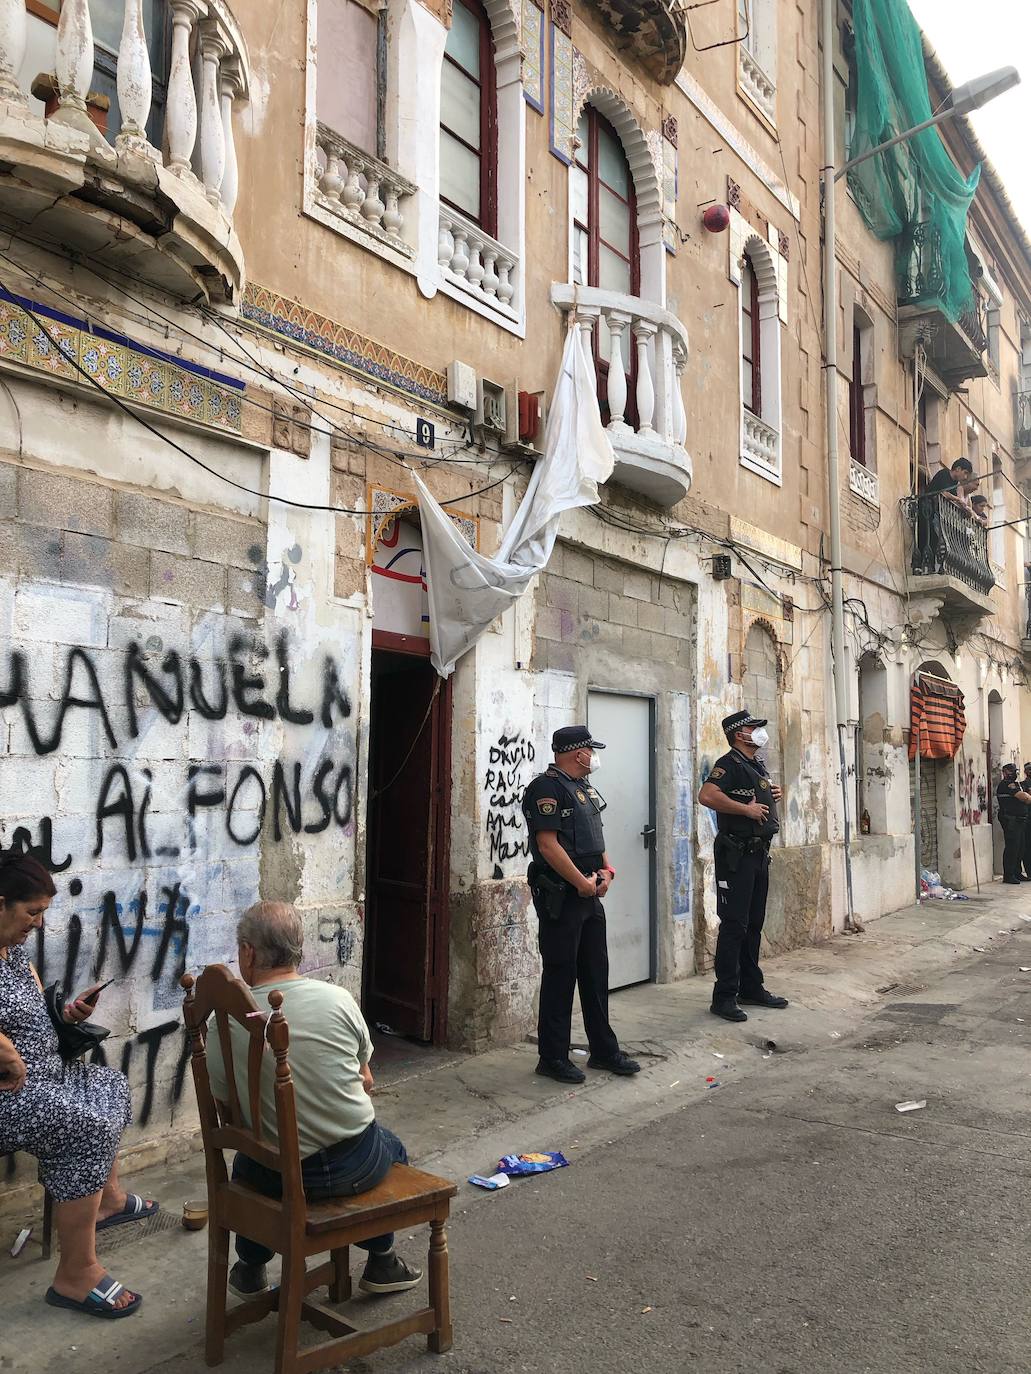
(293, 1227)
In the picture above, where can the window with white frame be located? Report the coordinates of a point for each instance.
(759, 311)
(352, 36)
(757, 55)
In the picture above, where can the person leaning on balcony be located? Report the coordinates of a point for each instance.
(1013, 808)
(980, 509)
(954, 483)
(344, 1149)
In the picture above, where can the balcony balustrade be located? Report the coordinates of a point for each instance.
(955, 348)
(174, 196)
(363, 191)
(651, 457)
(760, 443)
(1022, 402)
(476, 263)
(950, 553)
(759, 88)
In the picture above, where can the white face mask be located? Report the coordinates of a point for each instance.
(761, 737)
(595, 763)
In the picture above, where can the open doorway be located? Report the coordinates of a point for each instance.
(405, 970)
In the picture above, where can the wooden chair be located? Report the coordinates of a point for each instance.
(293, 1227)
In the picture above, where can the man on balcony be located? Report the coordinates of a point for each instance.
(955, 483)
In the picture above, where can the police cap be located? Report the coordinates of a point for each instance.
(572, 737)
(740, 720)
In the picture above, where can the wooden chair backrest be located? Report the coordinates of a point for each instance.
(224, 1125)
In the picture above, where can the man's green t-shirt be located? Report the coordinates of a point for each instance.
(329, 1043)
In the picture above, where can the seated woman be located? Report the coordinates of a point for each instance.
(70, 1116)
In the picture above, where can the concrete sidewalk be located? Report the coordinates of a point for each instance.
(457, 1114)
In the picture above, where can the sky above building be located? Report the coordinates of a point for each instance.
(972, 40)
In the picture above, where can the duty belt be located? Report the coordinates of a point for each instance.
(748, 844)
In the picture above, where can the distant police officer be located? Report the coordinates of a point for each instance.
(568, 877)
(739, 790)
(1013, 803)
(1026, 857)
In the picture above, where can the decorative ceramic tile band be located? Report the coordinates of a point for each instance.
(116, 363)
(291, 320)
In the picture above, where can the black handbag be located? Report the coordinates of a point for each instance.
(74, 1039)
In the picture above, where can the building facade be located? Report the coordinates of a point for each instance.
(264, 263)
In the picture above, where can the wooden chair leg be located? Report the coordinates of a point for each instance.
(340, 1287)
(291, 1296)
(218, 1273)
(48, 1223)
(440, 1338)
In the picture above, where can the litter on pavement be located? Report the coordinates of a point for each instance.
(20, 1240)
(1025, 969)
(492, 1183)
(910, 1106)
(539, 1163)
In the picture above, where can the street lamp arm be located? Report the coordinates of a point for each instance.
(891, 142)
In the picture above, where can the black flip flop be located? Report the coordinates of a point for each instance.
(99, 1302)
(135, 1209)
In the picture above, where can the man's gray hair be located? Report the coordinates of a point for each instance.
(275, 933)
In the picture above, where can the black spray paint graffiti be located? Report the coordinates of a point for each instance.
(505, 784)
(249, 803)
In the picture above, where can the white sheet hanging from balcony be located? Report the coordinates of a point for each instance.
(467, 591)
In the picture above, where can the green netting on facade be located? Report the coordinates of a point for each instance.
(912, 193)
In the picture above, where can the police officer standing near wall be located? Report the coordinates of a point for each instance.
(741, 793)
(1026, 858)
(568, 877)
(1013, 803)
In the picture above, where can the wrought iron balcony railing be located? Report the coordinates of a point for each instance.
(947, 541)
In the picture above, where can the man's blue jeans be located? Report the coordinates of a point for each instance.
(351, 1166)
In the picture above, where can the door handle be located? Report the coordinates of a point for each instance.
(648, 835)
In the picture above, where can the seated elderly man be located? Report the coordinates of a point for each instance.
(344, 1149)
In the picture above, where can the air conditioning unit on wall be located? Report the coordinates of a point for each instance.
(491, 409)
(527, 418)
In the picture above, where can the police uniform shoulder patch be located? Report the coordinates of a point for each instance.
(718, 773)
(763, 784)
(547, 806)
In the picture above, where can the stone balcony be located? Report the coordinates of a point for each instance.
(955, 348)
(649, 443)
(949, 565)
(117, 198)
(653, 31)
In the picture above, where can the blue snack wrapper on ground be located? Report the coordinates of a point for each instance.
(539, 1163)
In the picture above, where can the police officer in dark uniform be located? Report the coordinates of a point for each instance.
(568, 877)
(739, 790)
(1013, 803)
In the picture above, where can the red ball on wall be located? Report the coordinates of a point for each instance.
(716, 218)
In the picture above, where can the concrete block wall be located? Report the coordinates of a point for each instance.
(178, 718)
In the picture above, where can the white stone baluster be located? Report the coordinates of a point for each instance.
(372, 206)
(392, 216)
(617, 323)
(75, 67)
(133, 80)
(506, 286)
(679, 413)
(331, 183)
(352, 194)
(445, 246)
(231, 86)
(644, 332)
(586, 318)
(212, 134)
(460, 257)
(474, 272)
(490, 272)
(181, 109)
(13, 37)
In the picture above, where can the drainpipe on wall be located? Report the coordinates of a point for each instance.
(830, 348)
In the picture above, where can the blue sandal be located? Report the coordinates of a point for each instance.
(99, 1302)
(135, 1209)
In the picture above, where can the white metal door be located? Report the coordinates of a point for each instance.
(624, 724)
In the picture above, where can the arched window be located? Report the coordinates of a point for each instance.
(751, 346)
(468, 117)
(606, 253)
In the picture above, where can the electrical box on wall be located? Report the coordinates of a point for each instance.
(461, 385)
(527, 417)
(491, 410)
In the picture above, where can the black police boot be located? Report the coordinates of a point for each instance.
(728, 1008)
(562, 1070)
(762, 998)
(620, 1064)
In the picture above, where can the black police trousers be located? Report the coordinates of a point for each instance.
(1014, 830)
(741, 908)
(1026, 856)
(575, 953)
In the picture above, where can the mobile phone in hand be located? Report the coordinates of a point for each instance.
(89, 997)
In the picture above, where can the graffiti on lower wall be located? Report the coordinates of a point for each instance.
(509, 770)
